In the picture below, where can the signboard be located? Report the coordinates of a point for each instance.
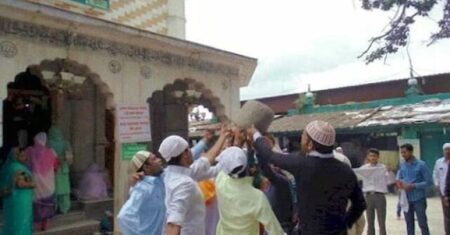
(133, 123)
(128, 150)
(102, 4)
(414, 142)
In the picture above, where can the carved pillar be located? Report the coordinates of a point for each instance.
(58, 100)
(66, 118)
(100, 138)
(156, 103)
(83, 131)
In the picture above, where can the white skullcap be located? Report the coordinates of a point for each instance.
(446, 146)
(231, 158)
(321, 132)
(342, 158)
(172, 146)
(138, 161)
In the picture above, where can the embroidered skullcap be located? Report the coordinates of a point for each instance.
(138, 161)
(321, 132)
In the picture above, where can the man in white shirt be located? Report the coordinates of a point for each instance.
(375, 184)
(439, 174)
(358, 227)
(184, 201)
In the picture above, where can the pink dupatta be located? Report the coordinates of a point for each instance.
(43, 162)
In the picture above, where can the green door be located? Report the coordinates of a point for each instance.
(431, 146)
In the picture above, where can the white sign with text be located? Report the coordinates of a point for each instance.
(133, 123)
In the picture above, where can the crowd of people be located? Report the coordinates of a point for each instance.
(244, 184)
(238, 183)
(35, 184)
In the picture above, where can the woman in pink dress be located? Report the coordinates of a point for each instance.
(92, 184)
(43, 163)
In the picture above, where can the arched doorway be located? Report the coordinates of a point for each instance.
(77, 102)
(26, 110)
(170, 106)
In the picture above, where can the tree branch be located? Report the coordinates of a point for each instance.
(394, 24)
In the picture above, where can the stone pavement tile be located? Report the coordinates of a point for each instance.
(398, 227)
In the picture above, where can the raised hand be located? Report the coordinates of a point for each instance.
(208, 136)
(136, 177)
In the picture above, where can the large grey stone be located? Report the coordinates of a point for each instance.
(254, 113)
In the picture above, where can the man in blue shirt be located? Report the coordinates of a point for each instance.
(144, 212)
(415, 178)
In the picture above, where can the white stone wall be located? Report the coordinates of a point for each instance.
(128, 85)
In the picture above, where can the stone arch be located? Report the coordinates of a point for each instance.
(72, 66)
(166, 111)
(207, 98)
(98, 145)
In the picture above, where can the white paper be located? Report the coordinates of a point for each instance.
(404, 201)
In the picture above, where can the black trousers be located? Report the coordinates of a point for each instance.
(288, 228)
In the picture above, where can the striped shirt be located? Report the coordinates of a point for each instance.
(415, 172)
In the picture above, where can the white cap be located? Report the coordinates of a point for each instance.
(172, 146)
(231, 158)
(446, 146)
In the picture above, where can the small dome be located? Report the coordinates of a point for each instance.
(412, 82)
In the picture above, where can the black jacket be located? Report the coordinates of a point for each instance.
(325, 186)
(281, 198)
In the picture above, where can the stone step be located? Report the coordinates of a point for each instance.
(71, 217)
(82, 219)
(76, 205)
(95, 209)
(84, 227)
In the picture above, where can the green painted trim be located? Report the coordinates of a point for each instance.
(367, 105)
(292, 112)
(101, 4)
(411, 128)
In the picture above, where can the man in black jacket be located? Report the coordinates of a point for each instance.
(280, 196)
(324, 185)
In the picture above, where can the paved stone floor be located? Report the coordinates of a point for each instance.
(398, 227)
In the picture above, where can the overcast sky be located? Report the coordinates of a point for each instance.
(301, 42)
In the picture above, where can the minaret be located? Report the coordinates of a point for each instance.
(309, 97)
(413, 87)
(176, 19)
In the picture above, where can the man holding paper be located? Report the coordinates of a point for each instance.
(375, 184)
